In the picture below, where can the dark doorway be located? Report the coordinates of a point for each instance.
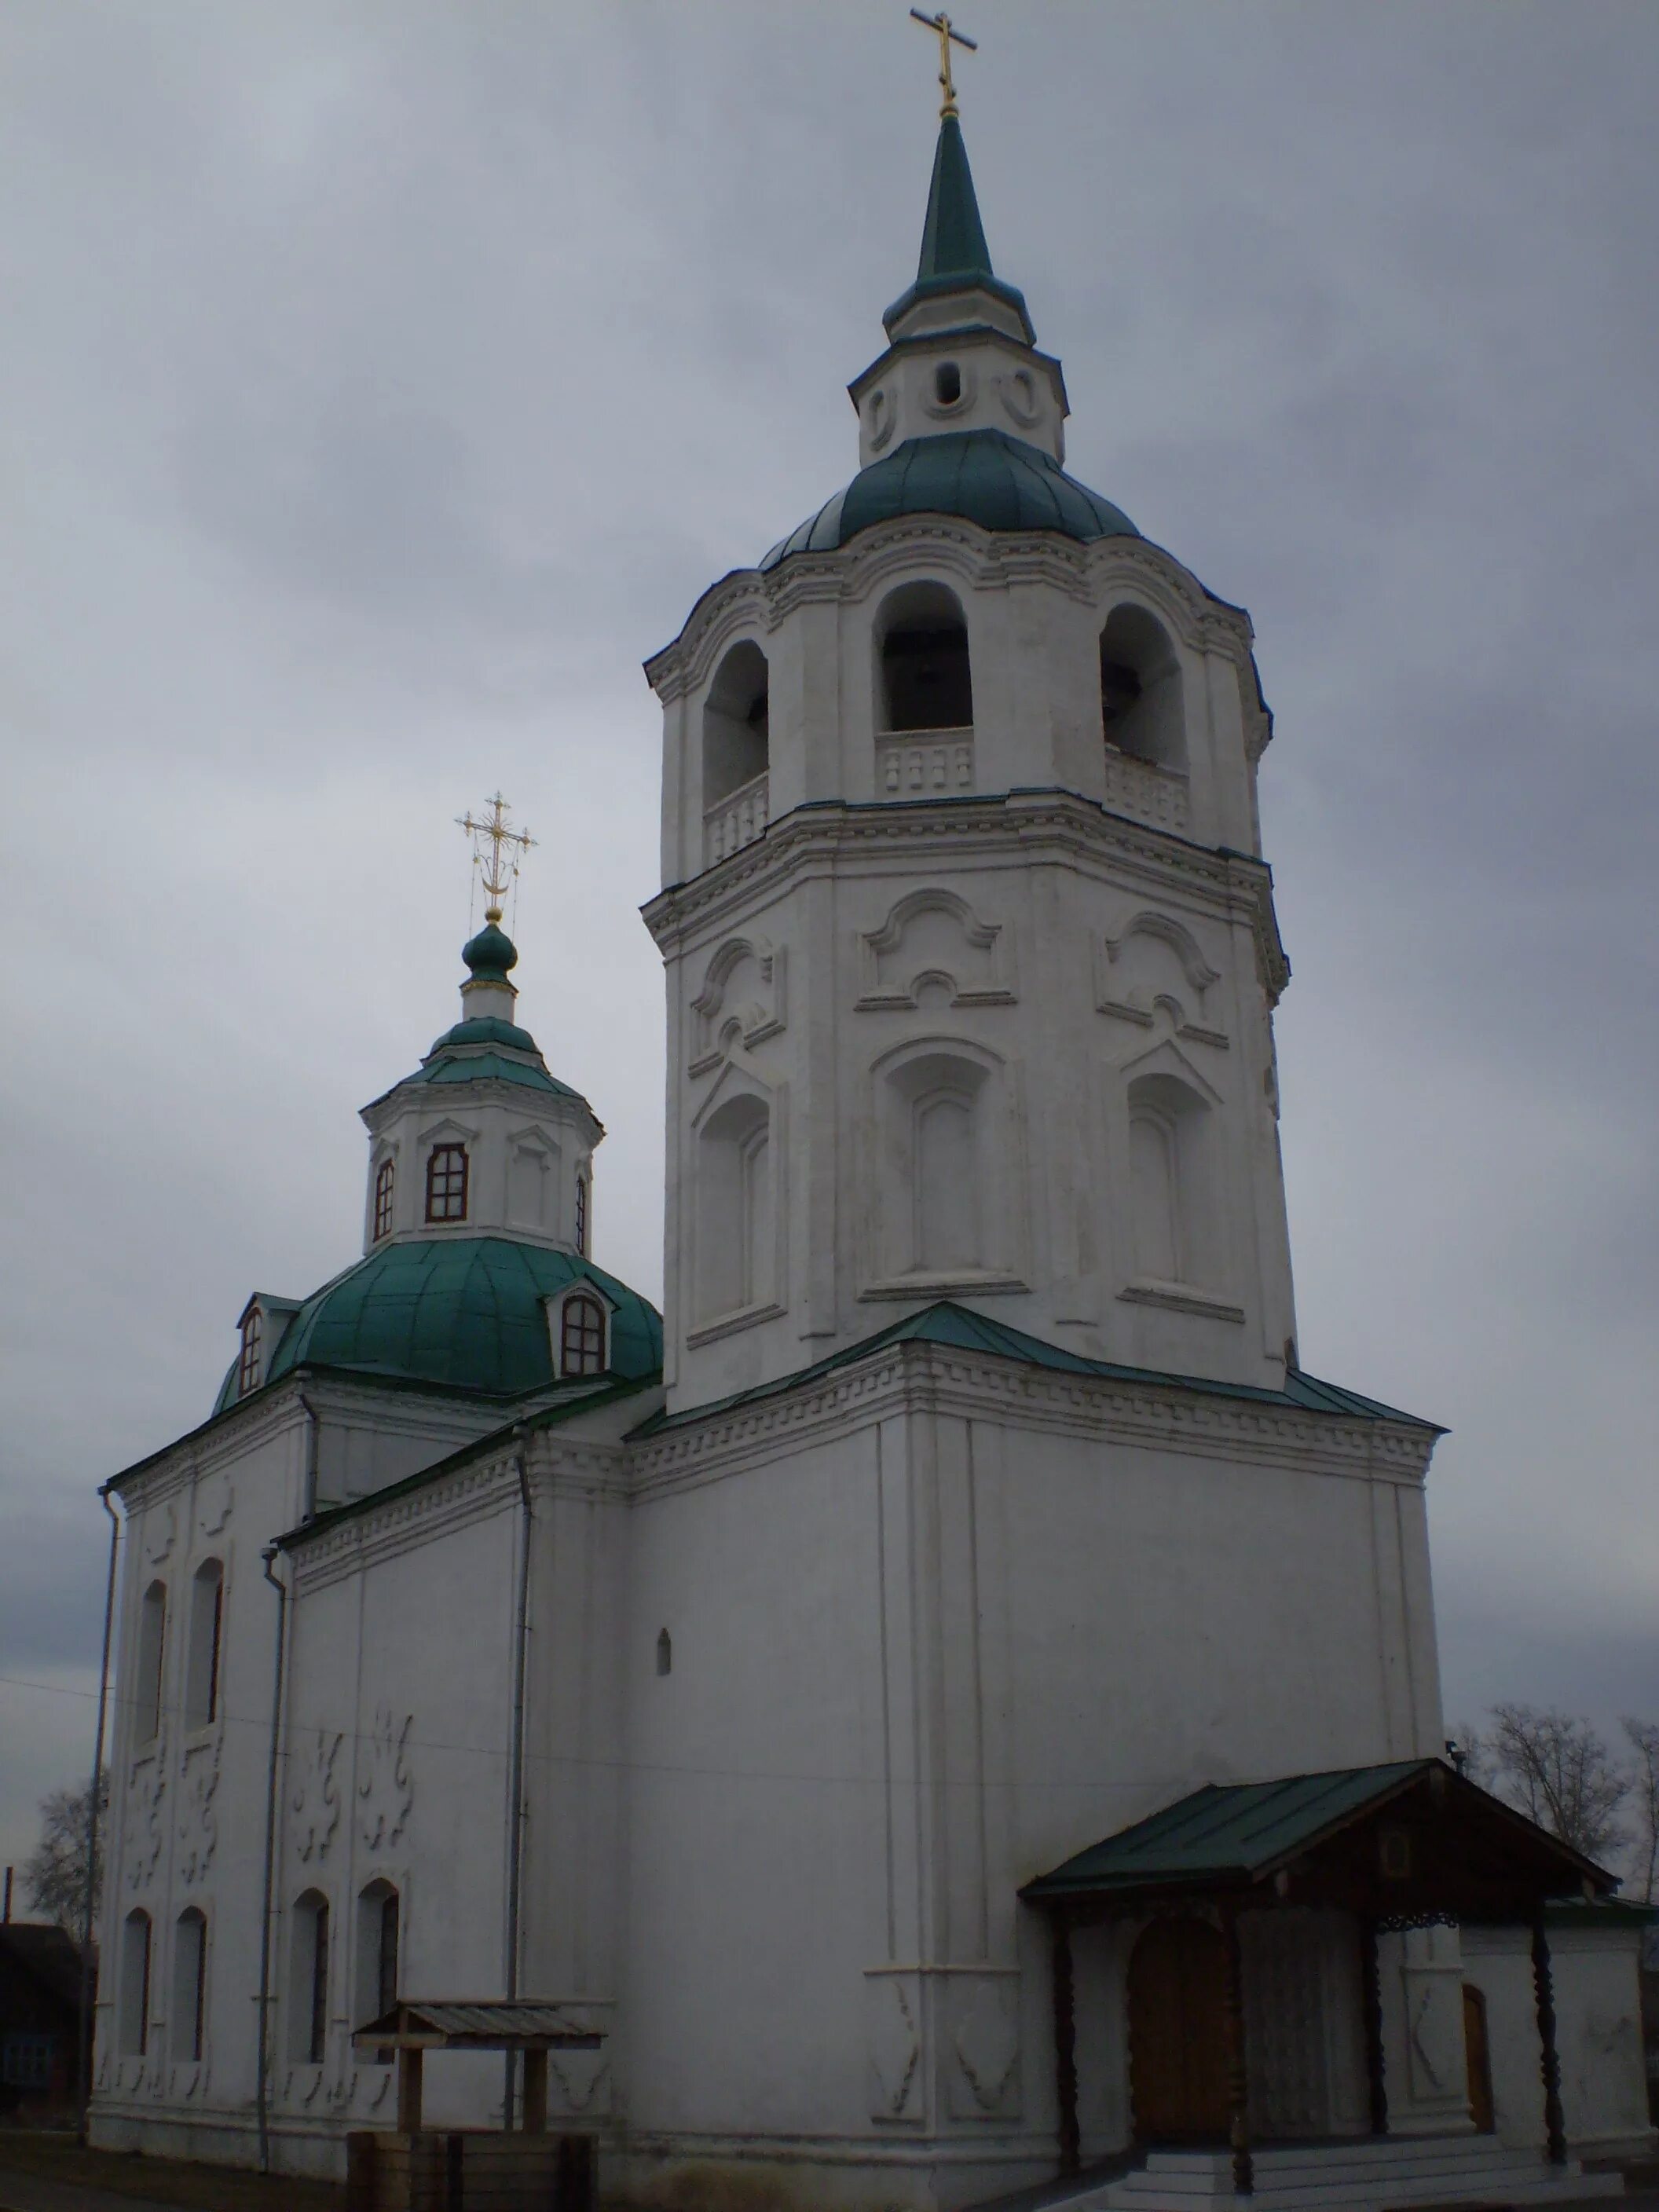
(1480, 2057)
(1177, 2033)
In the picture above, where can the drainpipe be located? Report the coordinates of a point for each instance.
(262, 2099)
(308, 1495)
(83, 2041)
(515, 1762)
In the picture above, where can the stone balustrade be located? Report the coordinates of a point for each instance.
(1145, 792)
(924, 764)
(737, 820)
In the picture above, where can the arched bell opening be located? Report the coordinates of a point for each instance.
(1140, 698)
(926, 676)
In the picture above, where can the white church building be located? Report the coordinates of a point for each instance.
(950, 1703)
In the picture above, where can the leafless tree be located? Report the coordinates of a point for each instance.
(1645, 1789)
(1471, 1752)
(1559, 1771)
(55, 1876)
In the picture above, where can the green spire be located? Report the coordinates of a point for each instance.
(955, 257)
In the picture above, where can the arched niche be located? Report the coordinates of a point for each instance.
(923, 666)
(202, 1654)
(1171, 1183)
(941, 1199)
(735, 1256)
(735, 723)
(1141, 711)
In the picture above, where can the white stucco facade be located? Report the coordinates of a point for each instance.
(977, 1508)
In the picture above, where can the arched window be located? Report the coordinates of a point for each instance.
(664, 1652)
(735, 724)
(735, 1233)
(135, 1985)
(187, 2016)
(1140, 703)
(147, 1678)
(938, 1213)
(1174, 1220)
(581, 1215)
(207, 1606)
(946, 1183)
(247, 1371)
(308, 1983)
(581, 1336)
(385, 1175)
(446, 1167)
(926, 680)
(379, 1931)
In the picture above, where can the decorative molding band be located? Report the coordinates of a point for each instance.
(944, 1286)
(731, 1323)
(916, 1377)
(1034, 824)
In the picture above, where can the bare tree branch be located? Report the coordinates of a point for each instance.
(1644, 1789)
(1560, 1772)
(55, 1875)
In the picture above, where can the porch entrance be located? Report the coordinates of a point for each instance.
(1178, 2034)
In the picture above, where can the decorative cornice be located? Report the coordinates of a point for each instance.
(1040, 823)
(982, 559)
(915, 1377)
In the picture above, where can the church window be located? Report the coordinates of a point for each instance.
(247, 1371)
(187, 2018)
(207, 1606)
(937, 1208)
(135, 1985)
(1141, 704)
(947, 383)
(309, 1980)
(927, 681)
(384, 1175)
(581, 1215)
(736, 723)
(446, 1169)
(147, 1685)
(581, 1336)
(664, 1652)
(736, 1220)
(379, 1931)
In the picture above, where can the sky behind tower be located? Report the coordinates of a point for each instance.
(383, 382)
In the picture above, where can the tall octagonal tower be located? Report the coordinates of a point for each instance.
(971, 949)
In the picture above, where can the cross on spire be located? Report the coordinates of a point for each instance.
(498, 864)
(948, 36)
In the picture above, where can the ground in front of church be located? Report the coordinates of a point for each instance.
(47, 2173)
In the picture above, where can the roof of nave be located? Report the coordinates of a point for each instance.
(464, 1313)
(987, 476)
(949, 1324)
(589, 1395)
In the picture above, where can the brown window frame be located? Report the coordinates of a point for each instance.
(247, 1371)
(581, 1342)
(440, 1205)
(385, 1181)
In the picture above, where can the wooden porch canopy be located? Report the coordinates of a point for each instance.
(1406, 1845)
(413, 2027)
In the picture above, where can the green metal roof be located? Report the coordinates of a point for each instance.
(947, 1323)
(955, 257)
(488, 1066)
(491, 955)
(1236, 1831)
(986, 476)
(465, 1313)
(489, 1029)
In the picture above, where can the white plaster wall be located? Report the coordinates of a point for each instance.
(1598, 2032)
(494, 1121)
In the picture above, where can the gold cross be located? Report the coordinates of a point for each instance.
(941, 25)
(500, 865)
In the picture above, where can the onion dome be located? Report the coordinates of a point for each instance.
(491, 956)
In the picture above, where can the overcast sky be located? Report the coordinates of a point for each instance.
(382, 381)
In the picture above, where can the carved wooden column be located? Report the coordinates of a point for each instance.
(1239, 2075)
(1371, 2007)
(1066, 2046)
(1543, 1982)
(409, 2092)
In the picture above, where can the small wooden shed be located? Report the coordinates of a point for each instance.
(414, 2168)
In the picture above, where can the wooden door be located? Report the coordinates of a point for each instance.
(1480, 2059)
(1177, 2033)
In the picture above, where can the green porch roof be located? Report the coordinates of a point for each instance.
(1223, 1831)
(948, 1323)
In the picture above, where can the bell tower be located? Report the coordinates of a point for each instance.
(970, 948)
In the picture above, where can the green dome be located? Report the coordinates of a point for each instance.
(465, 1313)
(984, 476)
(491, 955)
